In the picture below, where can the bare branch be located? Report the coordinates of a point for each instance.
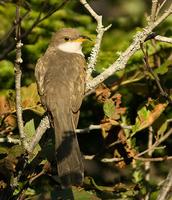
(121, 62)
(149, 68)
(9, 139)
(37, 21)
(158, 159)
(154, 11)
(18, 74)
(157, 143)
(163, 39)
(160, 6)
(43, 126)
(166, 187)
(87, 130)
(100, 31)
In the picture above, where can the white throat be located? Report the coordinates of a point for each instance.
(71, 47)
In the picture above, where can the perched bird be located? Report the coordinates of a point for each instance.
(60, 76)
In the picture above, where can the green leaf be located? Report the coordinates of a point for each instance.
(147, 116)
(29, 128)
(31, 100)
(83, 195)
(109, 108)
(163, 68)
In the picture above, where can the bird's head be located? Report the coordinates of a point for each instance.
(69, 40)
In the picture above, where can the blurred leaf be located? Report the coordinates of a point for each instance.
(162, 129)
(83, 195)
(16, 151)
(163, 68)
(4, 150)
(146, 117)
(109, 108)
(31, 100)
(29, 129)
(6, 74)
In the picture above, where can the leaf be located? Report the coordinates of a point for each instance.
(31, 100)
(163, 68)
(109, 108)
(83, 195)
(146, 117)
(29, 128)
(162, 129)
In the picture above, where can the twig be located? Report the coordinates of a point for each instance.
(100, 31)
(146, 62)
(9, 139)
(109, 160)
(166, 187)
(87, 130)
(28, 31)
(158, 159)
(121, 62)
(154, 11)
(160, 6)
(18, 74)
(44, 124)
(147, 164)
(157, 143)
(104, 160)
(163, 39)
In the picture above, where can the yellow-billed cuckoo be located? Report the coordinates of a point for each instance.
(60, 76)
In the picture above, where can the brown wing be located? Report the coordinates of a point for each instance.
(78, 91)
(40, 71)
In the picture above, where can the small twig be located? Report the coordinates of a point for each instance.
(163, 39)
(158, 159)
(18, 74)
(9, 139)
(146, 62)
(154, 11)
(157, 143)
(109, 160)
(104, 160)
(160, 6)
(100, 31)
(121, 62)
(43, 126)
(147, 164)
(87, 130)
(37, 21)
(166, 187)
(12, 29)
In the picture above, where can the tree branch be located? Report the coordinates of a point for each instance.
(43, 126)
(157, 143)
(163, 39)
(166, 187)
(121, 62)
(100, 31)
(37, 21)
(18, 74)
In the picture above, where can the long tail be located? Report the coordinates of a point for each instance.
(69, 160)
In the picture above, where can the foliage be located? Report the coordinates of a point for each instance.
(127, 106)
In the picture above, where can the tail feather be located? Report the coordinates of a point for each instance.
(69, 159)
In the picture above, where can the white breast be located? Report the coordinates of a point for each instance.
(71, 47)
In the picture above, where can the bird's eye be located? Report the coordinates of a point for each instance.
(67, 38)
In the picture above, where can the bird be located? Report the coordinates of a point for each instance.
(60, 76)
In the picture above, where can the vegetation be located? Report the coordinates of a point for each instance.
(128, 153)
